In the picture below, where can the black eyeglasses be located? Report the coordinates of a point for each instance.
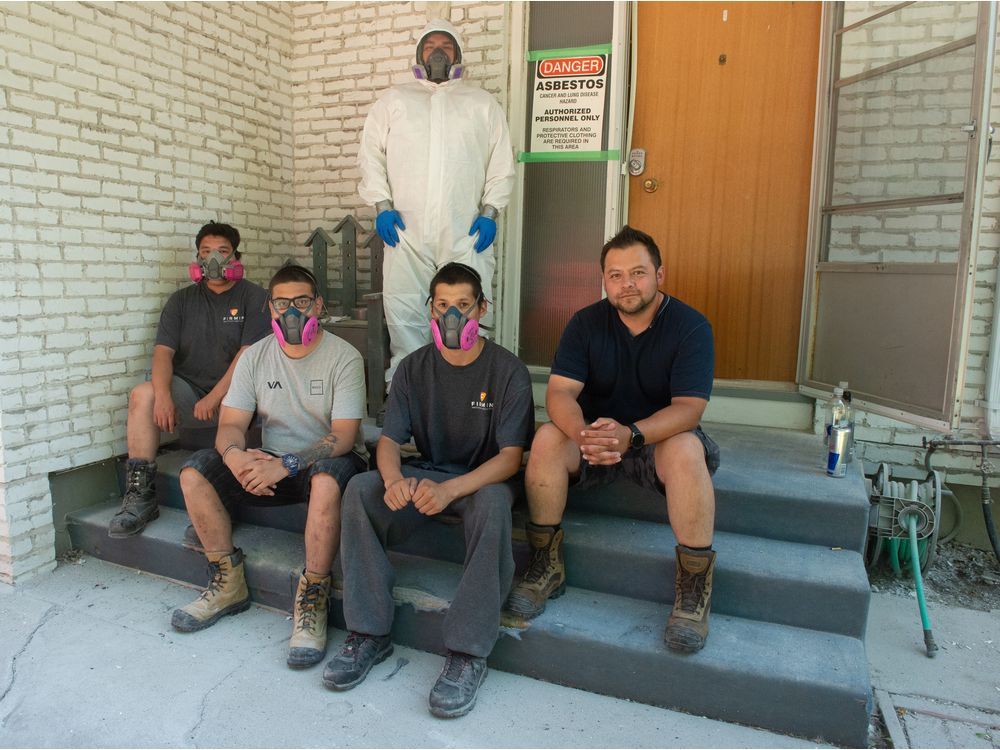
(281, 304)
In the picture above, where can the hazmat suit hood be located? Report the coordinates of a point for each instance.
(422, 70)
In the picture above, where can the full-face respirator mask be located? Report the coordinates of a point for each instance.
(215, 267)
(437, 68)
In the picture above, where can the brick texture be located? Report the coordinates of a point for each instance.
(344, 56)
(123, 128)
(899, 136)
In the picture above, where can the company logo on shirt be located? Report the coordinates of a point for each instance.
(482, 404)
(234, 316)
(315, 387)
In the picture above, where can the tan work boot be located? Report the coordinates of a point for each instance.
(226, 594)
(687, 627)
(546, 575)
(308, 643)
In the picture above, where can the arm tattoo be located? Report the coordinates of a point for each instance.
(322, 448)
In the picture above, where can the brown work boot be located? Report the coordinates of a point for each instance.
(139, 501)
(546, 575)
(308, 643)
(226, 594)
(687, 627)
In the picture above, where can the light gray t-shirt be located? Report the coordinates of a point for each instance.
(298, 398)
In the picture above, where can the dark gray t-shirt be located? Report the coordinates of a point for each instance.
(206, 329)
(460, 417)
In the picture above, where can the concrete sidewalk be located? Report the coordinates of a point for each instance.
(950, 701)
(88, 659)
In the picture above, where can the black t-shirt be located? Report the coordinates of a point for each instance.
(206, 329)
(460, 417)
(626, 377)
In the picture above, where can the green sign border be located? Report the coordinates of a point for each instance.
(546, 54)
(539, 156)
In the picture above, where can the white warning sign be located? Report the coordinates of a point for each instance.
(567, 113)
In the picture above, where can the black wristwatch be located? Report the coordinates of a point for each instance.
(638, 439)
(291, 463)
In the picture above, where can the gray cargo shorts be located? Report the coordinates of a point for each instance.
(640, 466)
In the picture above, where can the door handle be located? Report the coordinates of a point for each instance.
(650, 185)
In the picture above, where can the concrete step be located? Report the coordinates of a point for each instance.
(796, 584)
(782, 582)
(783, 678)
(771, 484)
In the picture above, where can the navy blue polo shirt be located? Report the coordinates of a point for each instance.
(628, 377)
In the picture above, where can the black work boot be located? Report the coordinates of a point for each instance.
(355, 660)
(454, 693)
(139, 502)
(687, 627)
(545, 577)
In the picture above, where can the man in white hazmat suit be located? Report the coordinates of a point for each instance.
(437, 164)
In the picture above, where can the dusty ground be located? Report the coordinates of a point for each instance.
(961, 576)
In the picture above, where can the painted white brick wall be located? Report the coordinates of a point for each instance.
(123, 128)
(344, 56)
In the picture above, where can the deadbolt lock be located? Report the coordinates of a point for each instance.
(650, 185)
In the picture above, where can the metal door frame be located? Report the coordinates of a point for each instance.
(971, 212)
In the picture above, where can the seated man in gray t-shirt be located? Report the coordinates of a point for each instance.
(308, 388)
(467, 404)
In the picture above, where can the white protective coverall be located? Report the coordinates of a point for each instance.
(439, 152)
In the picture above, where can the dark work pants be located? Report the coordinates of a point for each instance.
(368, 525)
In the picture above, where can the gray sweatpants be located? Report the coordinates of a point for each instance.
(368, 526)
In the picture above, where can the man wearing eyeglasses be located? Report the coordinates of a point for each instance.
(307, 385)
(203, 329)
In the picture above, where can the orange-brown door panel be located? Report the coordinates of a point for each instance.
(725, 101)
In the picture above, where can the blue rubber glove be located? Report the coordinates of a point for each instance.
(487, 229)
(386, 223)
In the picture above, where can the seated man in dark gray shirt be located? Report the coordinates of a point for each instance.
(467, 404)
(204, 327)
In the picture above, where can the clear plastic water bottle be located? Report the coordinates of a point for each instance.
(836, 413)
(850, 421)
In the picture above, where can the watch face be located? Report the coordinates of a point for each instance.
(291, 462)
(638, 439)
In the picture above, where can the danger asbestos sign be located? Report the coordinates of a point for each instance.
(567, 111)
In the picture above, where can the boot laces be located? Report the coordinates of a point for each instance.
(351, 650)
(538, 566)
(309, 606)
(217, 579)
(455, 666)
(692, 590)
(134, 481)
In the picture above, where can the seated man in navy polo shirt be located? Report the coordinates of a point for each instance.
(630, 381)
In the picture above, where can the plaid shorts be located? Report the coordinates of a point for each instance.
(640, 466)
(288, 491)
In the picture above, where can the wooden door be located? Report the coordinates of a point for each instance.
(725, 100)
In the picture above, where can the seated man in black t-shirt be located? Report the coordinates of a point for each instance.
(467, 404)
(630, 381)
